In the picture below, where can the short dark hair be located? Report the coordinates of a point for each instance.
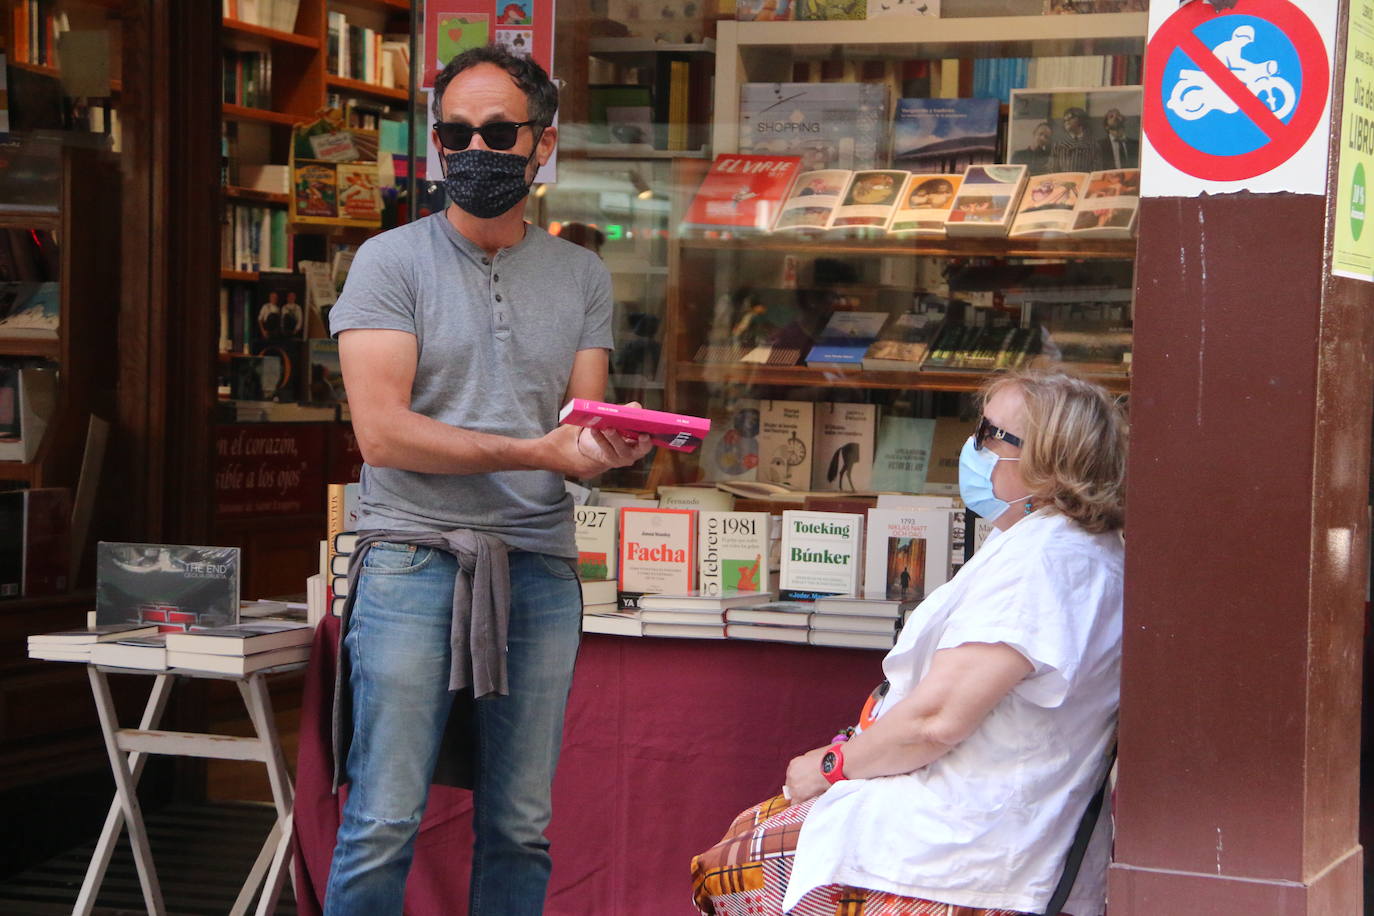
(540, 91)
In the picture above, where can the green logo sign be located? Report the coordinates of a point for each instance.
(1357, 202)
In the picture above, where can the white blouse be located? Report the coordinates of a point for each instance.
(988, 824)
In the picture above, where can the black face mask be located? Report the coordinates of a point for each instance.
(486, 183)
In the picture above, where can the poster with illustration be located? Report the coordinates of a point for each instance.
(524, 27)
(453, 26)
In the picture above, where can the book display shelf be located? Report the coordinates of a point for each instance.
(284, 64)
(718, 275)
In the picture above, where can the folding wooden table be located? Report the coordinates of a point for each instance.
(128, 749)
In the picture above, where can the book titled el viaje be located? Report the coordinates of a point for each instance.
(733, 547)
(742, 192)
(820, 554)
(657, 553)
(173, 586)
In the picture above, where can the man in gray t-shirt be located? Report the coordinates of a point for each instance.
(460, 336)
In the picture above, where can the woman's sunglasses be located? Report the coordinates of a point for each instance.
(498, 135)
(986, 431)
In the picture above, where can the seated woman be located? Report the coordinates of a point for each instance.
(962, 786)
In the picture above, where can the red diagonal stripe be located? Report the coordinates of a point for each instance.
(1228, 83)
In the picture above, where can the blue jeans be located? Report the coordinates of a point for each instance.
(398, 646)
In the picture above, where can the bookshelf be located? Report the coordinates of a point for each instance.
(87, 278)
(711, 268)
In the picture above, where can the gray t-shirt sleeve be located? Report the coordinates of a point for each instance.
(596, 327)
(379, 292)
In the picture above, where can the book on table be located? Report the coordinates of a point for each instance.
(237, 664)
(865, 607)
(174, 586)
(85, 636)
(242, 639)
(854, 623)
(742, 192)
(766, 633)
(776, 613)
(853, 640)
(702, 601)
(692, 617)
(613, 623)
(148, 653)
(685, 630)
(598, 591)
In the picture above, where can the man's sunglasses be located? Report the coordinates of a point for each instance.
(986, 431)
(498, 135)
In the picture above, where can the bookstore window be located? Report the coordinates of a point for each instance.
(61, 175)
(828, 222)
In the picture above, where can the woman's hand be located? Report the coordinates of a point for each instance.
(804, 779)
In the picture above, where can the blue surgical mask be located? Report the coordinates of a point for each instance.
(975, 480)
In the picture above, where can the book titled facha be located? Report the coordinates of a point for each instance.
(678, 432)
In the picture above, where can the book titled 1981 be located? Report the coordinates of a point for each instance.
(733, 547)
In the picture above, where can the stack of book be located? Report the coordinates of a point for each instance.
(147, 653)
(694, 614)
(773, 621)
(76, 645)
(241, 648)
(858, 623)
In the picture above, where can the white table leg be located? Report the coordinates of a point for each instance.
(125, 807)
(256, 699)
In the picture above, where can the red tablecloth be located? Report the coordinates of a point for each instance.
(666, 740)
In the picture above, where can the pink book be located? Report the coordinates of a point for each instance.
(670, 430)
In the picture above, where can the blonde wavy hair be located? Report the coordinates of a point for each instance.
(1074, 454)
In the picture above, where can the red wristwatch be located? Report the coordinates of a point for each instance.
(832, 764)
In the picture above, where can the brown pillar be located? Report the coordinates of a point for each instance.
(1246, 564)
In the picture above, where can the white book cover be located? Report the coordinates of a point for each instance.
(733, 549)
(1047, 205)
(986, 201)
(785, 434)
(908, 553)
(731, 449)
(843, 447)
(1109, 205)
(925, 204)
(902, 454)
(870, 200)
(705, 498)
(813, 199)
(821, 554)
(657, 552)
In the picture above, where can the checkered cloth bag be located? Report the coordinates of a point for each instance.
(746, 873)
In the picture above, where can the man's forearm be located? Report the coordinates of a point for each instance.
(409, 441)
